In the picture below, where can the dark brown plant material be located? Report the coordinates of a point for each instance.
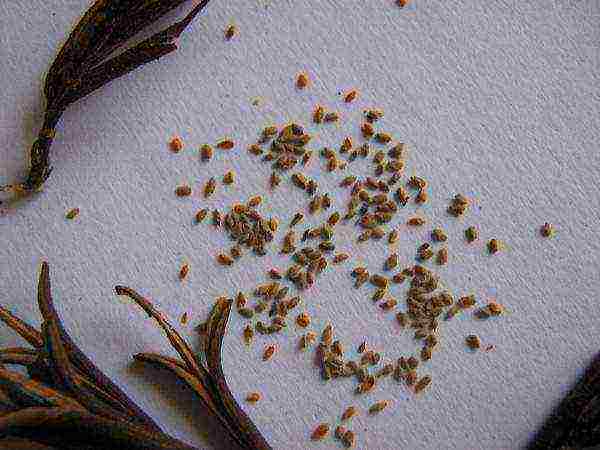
(66, 402)
(81, 66)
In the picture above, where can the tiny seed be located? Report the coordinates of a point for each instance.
(340, 258)
(383, 138)
(411, 378)
(547, 230)
(318, 114)
(422, 384)
(268, 353)
(216, 218)
(340, 430)
(248, 313)
(426, 353)
(346, 145)
(378, 407)
(494, 246)
(421, 197)
(367, 130)
(176, 144)
(327, 335)
(183, 271)
(224, 259)
(350, 412)
(331, 117)
(302, 80)
(228, 178)
(471, 234)
(248, 334)
(416, 221)
(209, 187)
(225, 144)
(362, 347)
(379, 281)
(183, 191)
(393, 236)
(473, 342)
(442, 256)
(349, 439)
(438, 235)
(201, 215)
(391, 262)
(351, 96)
(72, 213)
(254, 201)
(320, 432)
(412, 363)
(240, 300)
(303, 320)
(402, 3)
(206, 152)
(273, 224)
(184, 318)
(337, 348)
(230, 31)
(402, 319)
(467, 301)
(255, 149)
(253, 397)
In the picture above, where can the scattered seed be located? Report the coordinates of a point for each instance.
(327, 335)
(224, 260)
(378, 407)
(422, 384)
(182, 191)
(438, 235)
(230, 31)
(402, 3)
(320, 432)
(184, 318)
(253, 397)
(255, 149)
(349, 412)
(547, 230)
(340, 430)
(442, 256)
(415, 221)
(216, 218)
(225, 144)
(471, 234)
(391, 262)
(379, 281)
(72, 213)
(340, 258)
(426, 353)
(201, 215)
(176, 144)
(318, 114)
(268, 353)
(209, 187)
(402, 319)
(248, 334)
(458, 205)
(331, 117)
(473, 342)
(494, 246)
(228, 178)
(383, 138)
(302, 80)
(303, 320)
(183, 271)
(367, 130)
(349, 439)
(206, 152)
(466, 302)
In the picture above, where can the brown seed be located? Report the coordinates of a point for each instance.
(225, 144)
(349, 439)
(303, 320)
(421, 197)
(340, 430)
(398, 151)
(402, 196)
(184, 318)
(412, 363)
(206, 152)
(351, 96)
(378, 407)
(273, 224)
(253, 397)
(248, 313)
(275, 274)
(379, 281)
(438, 235)
(209, 187)
(425, 353)
(224, 260)
(320, 432)
(393, 237)
(176, 144)
(391, 262)
(473, 342)
(72, 213)
(399, 278)
(302, 80)
(331, 117)
(494, 246)
(216, 218)
(337, 349)
(183, 271)
(340, 258)
(389, 304)
(230, 31)
(415, 221)
(402, 3)
(367, 130)
(442, 256)
(467, 301)
(254, 201)
(318, 114)
(255, 149)
(422, 384)
(248, 334)
(383, 138)
(240, 300)
(402, 319)
(346, 145)
(547, 230)
(236, 252)
(183, 191)
(349, 412)
(327, 335)
(201, 215)
(373, 115)
(268, 353)
(228, 178)
(411, 378)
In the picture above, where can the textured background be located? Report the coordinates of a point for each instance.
(499, 100)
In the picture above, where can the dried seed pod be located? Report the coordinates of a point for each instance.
(176, 144)
(349, 412)
(229, 177)
(471, 234)
(183, 191)
(350, 96)
(378, 407)
(320, 432)
(383, 138)
(442, 256)
(248, 334)
(494, 246)
(74, 212)
(331, 117)
(547, 230)
(423, 383)
(225, 144)
(184, 271)
(415, 221)
(206, 152)
(473, 342)
(268, 353)
(391, 262)
(367, 130)
(209, 187)
(318, 114)
(303, 320)
(224, 260)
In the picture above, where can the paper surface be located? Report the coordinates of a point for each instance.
(498, 100)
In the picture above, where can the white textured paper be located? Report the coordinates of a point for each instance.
(498, 100)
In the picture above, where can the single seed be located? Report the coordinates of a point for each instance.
(255, 149)
(383, 138)
(425, 353)
(303, 320)
(268, 353)
(367, 130)
(253, 397)
(378, 295)
(393, 237)
(269, 132)
(318, 114)
(184, 318)
(183, 271)
(362, 347)
(442, 256)
(379, 281)
(254, 201)
(320, 432)
(230, 31)
(224, 259)
(206, 152)
(547, 230)
(391, 262)
(183, 191)
(402, 319)
(471, 234)
(327, 335)
(349, 439)
(236, 252)
(209, 187)
(337, 348)
(340, 430)
(216, 218)
(402, 3)
(494, 308)
(422, 384)
(340, 258)
(331, 117)
(349, 412)
(351, 96)
(240, 300)
(248, 313)
(176, 144)
(373, 115)
(466, 302)
(201, 215)
(273, 224)
(72, 213)
(378, 407)
(398, 151)
(421, 197)
(228, 178)
(473, 342)
(412, 363)
(389, 304)
(346, 145)
(415, 221)
(225, 144)
(438, 235)
(399, 278)
(248, 334)
(302, 80)
(275, 274)
(411, 377)
(494, 246)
